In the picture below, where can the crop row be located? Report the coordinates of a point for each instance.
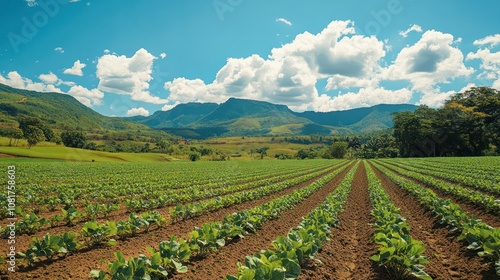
(398, 251)
(480, 236)
(92, 234)
(294, 251)
(31, 223)
(40, 197)
(171, 255)
(481, 182)
(487, 201)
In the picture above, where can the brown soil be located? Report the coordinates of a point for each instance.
(219, 265)
(24, 240)
(472, 188)
(346, 255)
(479, 212)
(449, 258)
(79, 265)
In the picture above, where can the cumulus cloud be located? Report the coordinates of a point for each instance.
(365, 97)
(491, 41)
(76, 69)
(163, 55)
(414, 27)
(31, 3)
(490, 64)
(59, 49)
(128, 75)
(289, 75)
(87, 97)
(430, 61)
(15, 80)
(138, 112)
(50, 78)
(50, 82)
(285, 21)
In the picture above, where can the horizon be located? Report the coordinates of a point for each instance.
(344, 57)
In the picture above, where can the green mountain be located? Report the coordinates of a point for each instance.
(237, 117)
(179, 116)
(61, 112)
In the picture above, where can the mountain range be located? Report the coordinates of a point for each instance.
(235, 117)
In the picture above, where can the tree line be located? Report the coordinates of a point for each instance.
(467, 125)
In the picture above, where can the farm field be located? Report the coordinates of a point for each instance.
(269, 219)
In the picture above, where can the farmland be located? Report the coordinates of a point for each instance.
(434, 218)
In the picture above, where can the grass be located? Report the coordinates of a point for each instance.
(72, 154)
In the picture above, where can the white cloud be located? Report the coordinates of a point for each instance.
(87, 97)
(289, 75)
(138, 112)
(365, 97)
(490, 64)
(163, 55)
(59, 49)
(15, 80)
(76, 69)
(31, 3)
(285, 21)
(414, 27)
(167, 107)
(492, 41)
(129, 76)
(430, 61)
(106, 51)
(50, 78)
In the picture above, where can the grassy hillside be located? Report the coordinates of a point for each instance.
(63, 112)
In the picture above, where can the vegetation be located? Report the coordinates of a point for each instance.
(467, 125)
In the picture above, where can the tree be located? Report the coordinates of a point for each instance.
(194, 156)
(15, 133)
(34, 135)
(339, 149)
(74, 139)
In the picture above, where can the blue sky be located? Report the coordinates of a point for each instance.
(124, 57)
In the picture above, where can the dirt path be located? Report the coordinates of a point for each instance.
(480, 212)
(79, 265)
(223, 263)
(346, 255)
(449, 259)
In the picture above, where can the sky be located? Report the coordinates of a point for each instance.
(128, 58)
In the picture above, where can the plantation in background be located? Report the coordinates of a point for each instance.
(434, 218)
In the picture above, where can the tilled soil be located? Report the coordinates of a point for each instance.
(346, 255)
(492, 219)
(472, 188)
(224, 262)
(79, 265)
(22, 241)
(448, 258)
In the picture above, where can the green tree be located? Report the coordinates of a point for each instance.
(194, 156)
(339, 149)
(34, 135)
(74, 139)
(15, 133)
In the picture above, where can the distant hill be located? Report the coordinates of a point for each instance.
(235, 117)
(179, 116)
(59, 111)
(250, 117)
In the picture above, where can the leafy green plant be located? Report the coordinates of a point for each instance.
(71, 215)
(108, 208)
(95, 233)
(173, 253)
(134, 268)
(206, 239)
(153, 217)
(49, 246)
(92, 210)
